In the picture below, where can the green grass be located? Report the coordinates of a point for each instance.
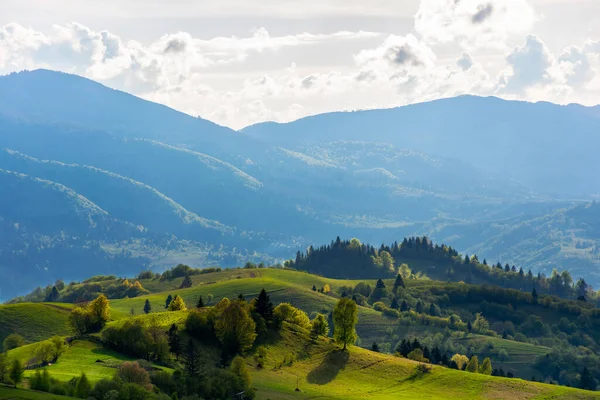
(34, 321)
(323, 371)
(22, 394)
(81, 356)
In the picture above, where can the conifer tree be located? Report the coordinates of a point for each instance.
(168, 301)
(398, 283)
(264, 306)
(147, 307)
(200, 303)
(375, 347)
(186, 283)
(174, 341)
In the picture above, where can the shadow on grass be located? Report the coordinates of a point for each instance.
(332, 364)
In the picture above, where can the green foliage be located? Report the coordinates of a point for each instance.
(91, 318)
(132, 372)
(235, 328)
(417, 355)
(147, 307)
(83, 387)
(288, 313)
(345, 317)
(16, 372)
(50, 350)
(177, 304)
(319, 326)
(13, 341)
(460, 361)
(486, 366)
(473, 365)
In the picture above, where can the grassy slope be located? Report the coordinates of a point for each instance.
(34, 322)
(22, 394)
(322, 371)
(283, 286)
(81, 356)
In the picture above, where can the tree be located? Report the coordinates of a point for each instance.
(287, 312)
(345, 317)
(235, 328)
(314, 288)
(83, 387)
(186, 283)
(473, 365)
(79, 320)
(16, 372)
(50, 350)
(238, 367)
(404, 271)
(193, 361)
(4, 367)
(147, 307)
(375, 347)
(459, 360)
(486, 366)
(200, 303)
(168, 301)
(481, 325)
(99, 310)
(326, 288)
(404, 306)
(132, 372)
(177, 304)
(534, 296)
(394, 305)
(587, 381)
(174, 341)
(399, 283)
(319, 326)
(13, 341)
(264, 306)
(53, 295)
(417, 355)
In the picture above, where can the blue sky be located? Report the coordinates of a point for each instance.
(240, 62)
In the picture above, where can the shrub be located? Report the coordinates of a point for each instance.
(13, 341)
(131, 372)
(379, 306)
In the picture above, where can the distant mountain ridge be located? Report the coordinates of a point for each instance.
(176, 188)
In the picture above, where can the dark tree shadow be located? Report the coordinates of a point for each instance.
(332, 364)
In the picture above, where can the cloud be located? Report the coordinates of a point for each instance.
(483, 13)
(473, 23)
(465, 62)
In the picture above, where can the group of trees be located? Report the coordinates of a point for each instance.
(351, 259)
(11, 371)
(91, 317)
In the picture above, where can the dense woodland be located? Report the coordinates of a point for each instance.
(351, 259)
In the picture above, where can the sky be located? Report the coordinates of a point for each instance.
(239, 62)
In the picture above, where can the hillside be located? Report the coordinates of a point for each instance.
(318, 366)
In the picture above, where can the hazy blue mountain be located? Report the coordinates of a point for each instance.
(132, 184)
(546, 147)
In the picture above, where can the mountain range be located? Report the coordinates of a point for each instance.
(97, 181)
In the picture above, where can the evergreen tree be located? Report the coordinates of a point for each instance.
(168, 301)
(404, 306)
(16, 372)
(398, 283)
(177, 304)
(486, 367)
(174, 341)
(314, 288)
(147, 307)
(419, 307)
(394, 304)
(375, 347)
(186, 283)
(534, 295)
(264, 306)
(587, 381)
(193, 360)
(432, 311)
(53, 295)
(83, 387)
(200, 303)
(380, 284)
(473, 365)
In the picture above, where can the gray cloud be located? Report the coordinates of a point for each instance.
(175, 45)
(403, 55)
(465, 62)
(483, 13)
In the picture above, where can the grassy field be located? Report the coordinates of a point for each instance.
(322, 371)
(81, 356)
(34, 321)
(22, 394)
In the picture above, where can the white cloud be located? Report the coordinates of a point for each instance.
(473, 23)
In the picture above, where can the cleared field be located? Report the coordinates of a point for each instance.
(34, 321)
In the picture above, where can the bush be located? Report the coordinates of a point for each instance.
(389, 312)
(379, 306)
(131, 372)
(13, 341)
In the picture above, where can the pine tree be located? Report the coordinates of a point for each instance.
(264, 306)
(375, 347)
(534, 295)
(587, 381)
(314, 288)
(398, 283)
(380, 284)
(168, 301)
(53, 295)
(200, 303)
(186, 283)
(147, 307)
(394, 304)
(174, 341)
(404, 306)
(193, 362)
